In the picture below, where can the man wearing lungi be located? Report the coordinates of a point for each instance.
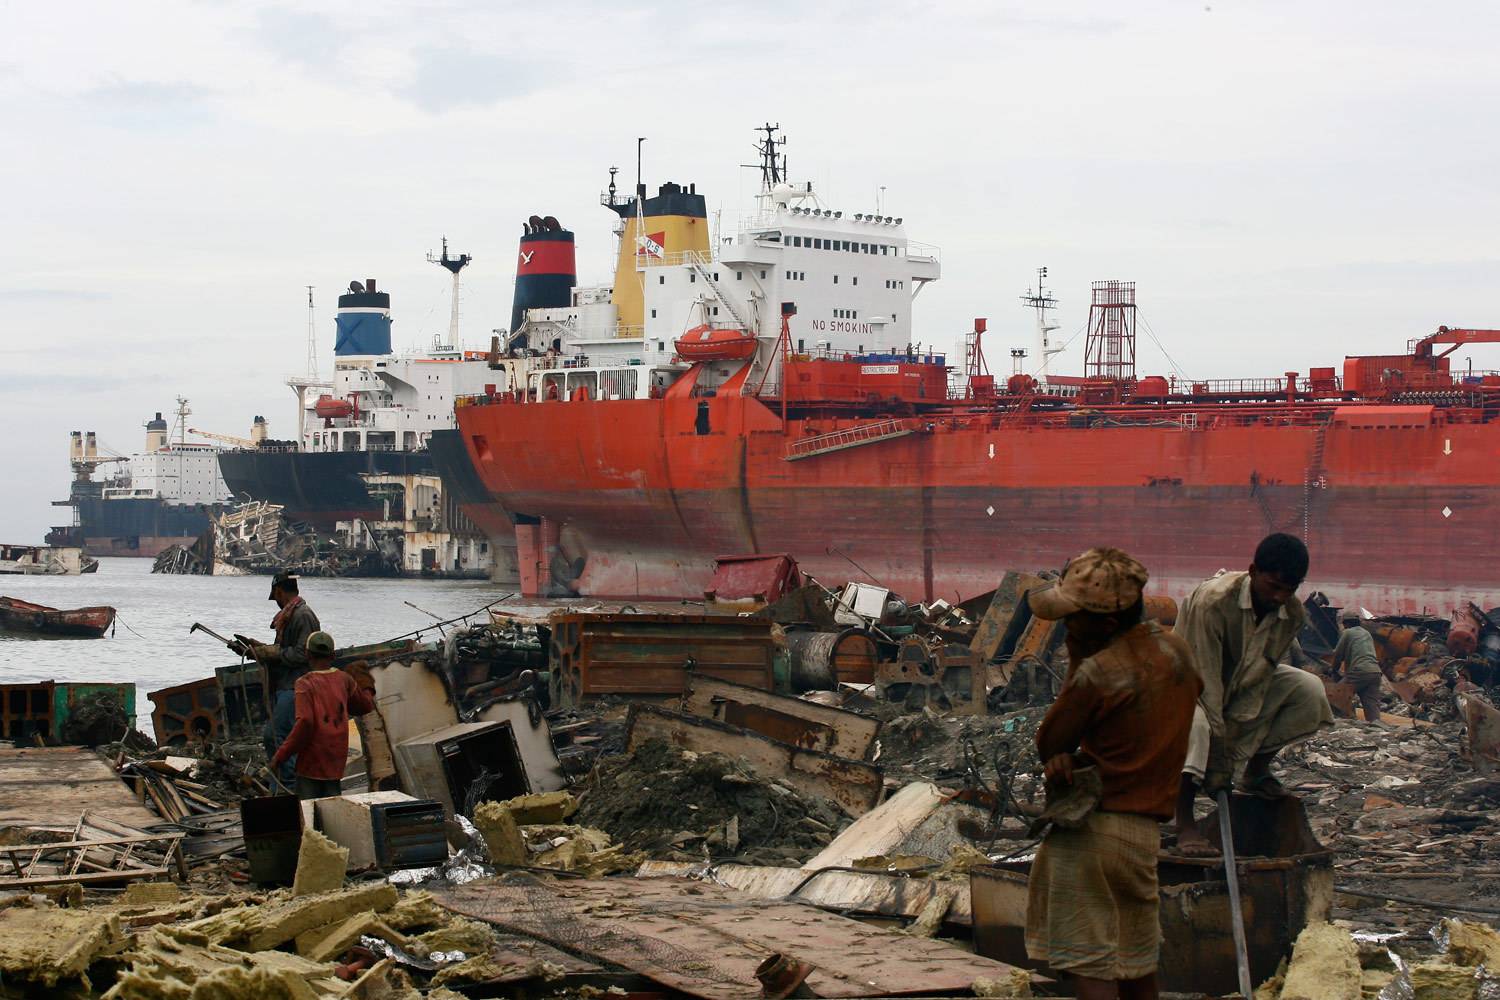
(1126, 709)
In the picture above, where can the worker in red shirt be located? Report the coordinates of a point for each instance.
(325, 699)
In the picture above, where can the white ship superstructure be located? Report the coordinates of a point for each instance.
(378, 400)
(852, 277)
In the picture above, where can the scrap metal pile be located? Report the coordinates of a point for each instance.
(256, 537)
(781, 790)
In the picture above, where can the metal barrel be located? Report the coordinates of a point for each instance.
(819, 660)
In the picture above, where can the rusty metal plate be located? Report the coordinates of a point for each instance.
(649, 654)
(852, 785)
(801, 723)
(707, 941)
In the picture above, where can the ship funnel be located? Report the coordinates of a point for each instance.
(545, 269)
(156, 433)
(363, 323)
(90, 445)
(258, 430)
(75, 445)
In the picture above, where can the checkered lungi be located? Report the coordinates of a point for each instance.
(1092, 898)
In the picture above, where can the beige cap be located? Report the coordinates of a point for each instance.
(1101, 580)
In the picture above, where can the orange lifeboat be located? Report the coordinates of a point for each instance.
(331, 408)
(707, 343)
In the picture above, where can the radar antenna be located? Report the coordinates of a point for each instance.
(1041, 300)
(772, 162)
(454, 265)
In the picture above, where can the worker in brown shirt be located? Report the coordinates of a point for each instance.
(1126, 708)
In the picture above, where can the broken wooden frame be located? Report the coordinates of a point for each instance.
(103, 859)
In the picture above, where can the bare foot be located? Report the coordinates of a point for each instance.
(1193, 844)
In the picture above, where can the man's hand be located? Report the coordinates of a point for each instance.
(1218, 775)
(238, 648)
(1060, 768)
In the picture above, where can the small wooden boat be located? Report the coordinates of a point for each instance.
(23, 616)
(708, 343)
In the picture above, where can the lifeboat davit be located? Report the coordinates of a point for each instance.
(330, 408)
(707, 343)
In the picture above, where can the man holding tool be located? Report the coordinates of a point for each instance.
(325, 699)
(283, 662)
(1239, 627)
(1125, 710)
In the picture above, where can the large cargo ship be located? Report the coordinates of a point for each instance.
(764, 395)
(374, 417)
(138, 505)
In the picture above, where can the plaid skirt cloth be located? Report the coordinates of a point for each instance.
(1092, 900)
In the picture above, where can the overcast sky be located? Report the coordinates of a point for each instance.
(1286, 182)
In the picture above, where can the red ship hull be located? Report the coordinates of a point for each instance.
(1399, 507)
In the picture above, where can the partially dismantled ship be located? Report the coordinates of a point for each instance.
(762, 393)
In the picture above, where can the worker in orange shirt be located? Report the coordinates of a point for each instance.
(325, 699)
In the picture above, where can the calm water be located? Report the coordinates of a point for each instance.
(156, 651)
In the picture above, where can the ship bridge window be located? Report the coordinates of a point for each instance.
(817, 243)
(661, 279)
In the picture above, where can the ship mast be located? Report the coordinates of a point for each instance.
(454, 265)
(312, 339)
(1041, 300)
(180, 427)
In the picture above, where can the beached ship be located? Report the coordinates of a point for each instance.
(637, 453)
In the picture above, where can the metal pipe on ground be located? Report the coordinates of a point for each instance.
(820, 660)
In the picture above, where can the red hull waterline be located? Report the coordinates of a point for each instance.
(1400, 509)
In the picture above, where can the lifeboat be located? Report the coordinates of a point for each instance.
(329, 408)
(707, 343)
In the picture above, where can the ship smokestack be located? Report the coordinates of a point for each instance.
(75, 445)
(90, 445)
(545, 269)
(156, 433)
(363, 322)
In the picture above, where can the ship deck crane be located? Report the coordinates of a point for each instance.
(1454, 338)
(238, 442)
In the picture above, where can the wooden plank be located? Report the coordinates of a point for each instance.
(128, 875)
(868, 893)
(706, 940)
(852, 785)
(880, 831)
(810, 725)
(47, 787)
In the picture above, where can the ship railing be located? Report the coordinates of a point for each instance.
(922, 251)
(673, 259)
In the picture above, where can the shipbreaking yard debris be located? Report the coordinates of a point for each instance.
(842, 809)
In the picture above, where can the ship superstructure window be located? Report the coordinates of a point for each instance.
(693, 277)
(661, 279)
(739, 276)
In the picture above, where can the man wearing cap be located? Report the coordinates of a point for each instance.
(284, 660)
(1125, 709)
(1240, 626)
(325, 699)
(1355, 655)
